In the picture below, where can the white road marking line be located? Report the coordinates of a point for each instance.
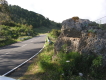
(34, 40)
(24, 45)
(7, 53)
(4, 54)
(31, 41)
(37, 38)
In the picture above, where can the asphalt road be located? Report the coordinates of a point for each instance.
(13, 55)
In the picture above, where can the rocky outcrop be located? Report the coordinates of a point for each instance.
(80, 37)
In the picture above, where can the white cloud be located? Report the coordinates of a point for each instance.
(59, 10)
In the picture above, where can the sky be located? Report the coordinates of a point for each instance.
(59, 10)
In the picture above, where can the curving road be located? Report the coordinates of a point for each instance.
(13, 55)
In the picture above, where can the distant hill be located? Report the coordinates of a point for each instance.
(23, 16)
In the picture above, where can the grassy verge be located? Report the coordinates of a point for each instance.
(7, 42)
(11, 41)
(22, 38)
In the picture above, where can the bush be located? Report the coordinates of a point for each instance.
(15, 36)
(93, 24)
(103, 26)
(55, 33)
(96, 68)
(7, 23)
(91, 31)
(73, 63)
(6, 42)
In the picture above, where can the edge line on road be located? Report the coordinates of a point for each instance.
(23, 45)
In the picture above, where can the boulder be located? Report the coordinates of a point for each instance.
(79, 36)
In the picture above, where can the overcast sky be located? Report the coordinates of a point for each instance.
(59, 10)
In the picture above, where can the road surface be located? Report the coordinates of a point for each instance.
(13, 55)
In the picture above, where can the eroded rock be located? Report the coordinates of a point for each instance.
(78, 36)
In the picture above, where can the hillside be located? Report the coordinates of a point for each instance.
(16, 22)
(23, 16)
(4, 13)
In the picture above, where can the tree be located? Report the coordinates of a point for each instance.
(22, 16)
(3, 2)
(4, 12)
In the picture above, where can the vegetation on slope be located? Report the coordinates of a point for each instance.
(10, 35)
(22, 16)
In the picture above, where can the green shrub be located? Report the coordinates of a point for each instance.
(97, 61)
(91, 31)
(6, 42)
(93, 24)
(15, 36)
(73, 63)
(11, 23)
(103, 26)
(55, 33)
(97, 68)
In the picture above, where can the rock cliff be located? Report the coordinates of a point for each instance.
(79, 36)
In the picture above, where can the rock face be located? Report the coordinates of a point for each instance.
(78, 36)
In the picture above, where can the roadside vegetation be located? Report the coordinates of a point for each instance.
(64, 66)
(11, 34)
(99, 25)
